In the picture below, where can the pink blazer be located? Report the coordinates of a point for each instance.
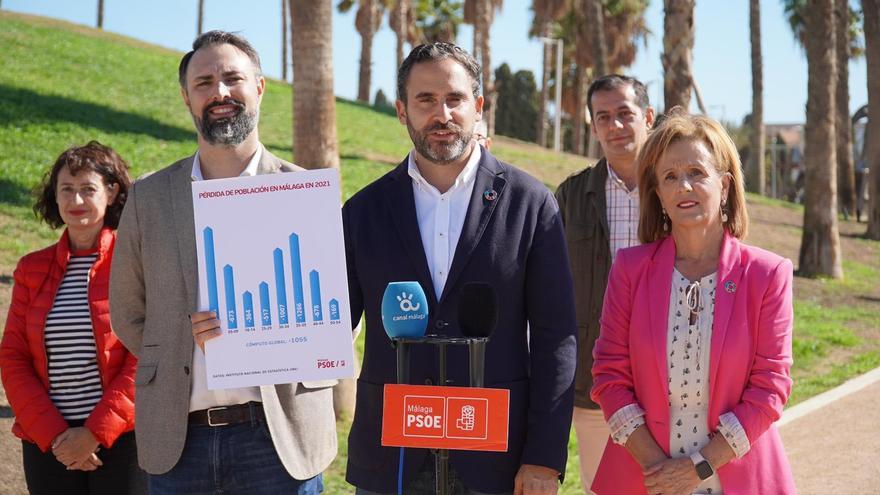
(749, 367)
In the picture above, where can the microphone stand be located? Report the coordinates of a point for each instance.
(476, 360)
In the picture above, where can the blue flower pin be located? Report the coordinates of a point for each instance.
(730, 286)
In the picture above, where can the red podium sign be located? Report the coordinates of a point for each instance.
(454, 418)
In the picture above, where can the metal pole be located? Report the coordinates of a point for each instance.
(477, 357)
(557, 132)
(402, 361)
(442, 458)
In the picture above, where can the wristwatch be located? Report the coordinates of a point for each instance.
(704, 469)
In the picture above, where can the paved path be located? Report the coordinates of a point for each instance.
(833, 440)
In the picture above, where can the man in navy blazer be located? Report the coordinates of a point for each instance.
(450, 214)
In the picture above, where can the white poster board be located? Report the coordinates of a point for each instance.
(271, 259)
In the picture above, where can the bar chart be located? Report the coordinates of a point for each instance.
(271, 260)
(281, 277)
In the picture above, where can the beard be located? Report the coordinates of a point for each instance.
(440, 153)
(229, 131)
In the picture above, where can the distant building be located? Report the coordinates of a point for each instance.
(785, 145)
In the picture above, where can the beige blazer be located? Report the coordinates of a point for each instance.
(153, 290)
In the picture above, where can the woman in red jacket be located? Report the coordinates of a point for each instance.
(69, 380)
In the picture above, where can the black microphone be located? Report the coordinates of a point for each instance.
(477, 309)
(477, 318)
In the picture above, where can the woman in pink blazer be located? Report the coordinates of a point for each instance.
(692, 364)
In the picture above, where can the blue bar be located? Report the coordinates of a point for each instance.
(229, 281)
(265, 312)
(280, 287)
(248, 309)
(211, 268)
(299, 300)
(315, 283)
(334, 310)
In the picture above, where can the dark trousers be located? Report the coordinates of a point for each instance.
(425, 483)
(120, 474)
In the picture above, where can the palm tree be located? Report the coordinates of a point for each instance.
(314, 106)
(820, 244)
(200, 24)
(756, 150)
(284, 43)
(678, 46)
(596, 53)
(438, 20)
(402, 21)
(367, 22)
(871, 10)
(100, 14)
(546, 13)
(846, 172)
(847, 47)
(481, 14)
(595, 23)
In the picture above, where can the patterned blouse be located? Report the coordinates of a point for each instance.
(688, 344)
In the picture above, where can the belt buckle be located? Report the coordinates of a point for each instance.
(210, 421)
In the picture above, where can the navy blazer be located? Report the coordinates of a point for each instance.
(515, 242)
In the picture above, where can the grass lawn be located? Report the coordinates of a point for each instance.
(65, 84)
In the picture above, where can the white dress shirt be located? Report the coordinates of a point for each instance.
(441, 216)
(200, 396)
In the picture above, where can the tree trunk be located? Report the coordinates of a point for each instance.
(477, 5)
(871, 9)
(756, 172)
(820, 245)
(846, 173)
(314, 106)
(100, 14)
(367, 22)
(545, 81)
(284, 44)
(580, 108)
(484, 16)
(365, 71)
(366, 68)
(678, 46)
(200, 24)
(400, 12)
(593, 9)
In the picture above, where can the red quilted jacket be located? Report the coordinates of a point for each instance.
(23, 361)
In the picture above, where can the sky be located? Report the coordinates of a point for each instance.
(722, 65)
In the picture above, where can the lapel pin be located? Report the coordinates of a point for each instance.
(490, 194)
(730, 286)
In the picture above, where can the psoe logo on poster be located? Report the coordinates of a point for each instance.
(330, 363)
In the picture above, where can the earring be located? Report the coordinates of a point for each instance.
(723, 211)
(665, 221)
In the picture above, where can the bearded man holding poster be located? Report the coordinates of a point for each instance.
(268, 439)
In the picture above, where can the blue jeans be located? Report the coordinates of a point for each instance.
(227, 460)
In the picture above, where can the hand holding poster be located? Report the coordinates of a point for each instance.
(271, 260)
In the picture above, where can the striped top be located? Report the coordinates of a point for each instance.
(74, 378)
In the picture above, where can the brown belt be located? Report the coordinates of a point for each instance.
(228, 415)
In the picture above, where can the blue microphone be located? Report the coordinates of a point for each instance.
(404, 315)
(404, 310)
